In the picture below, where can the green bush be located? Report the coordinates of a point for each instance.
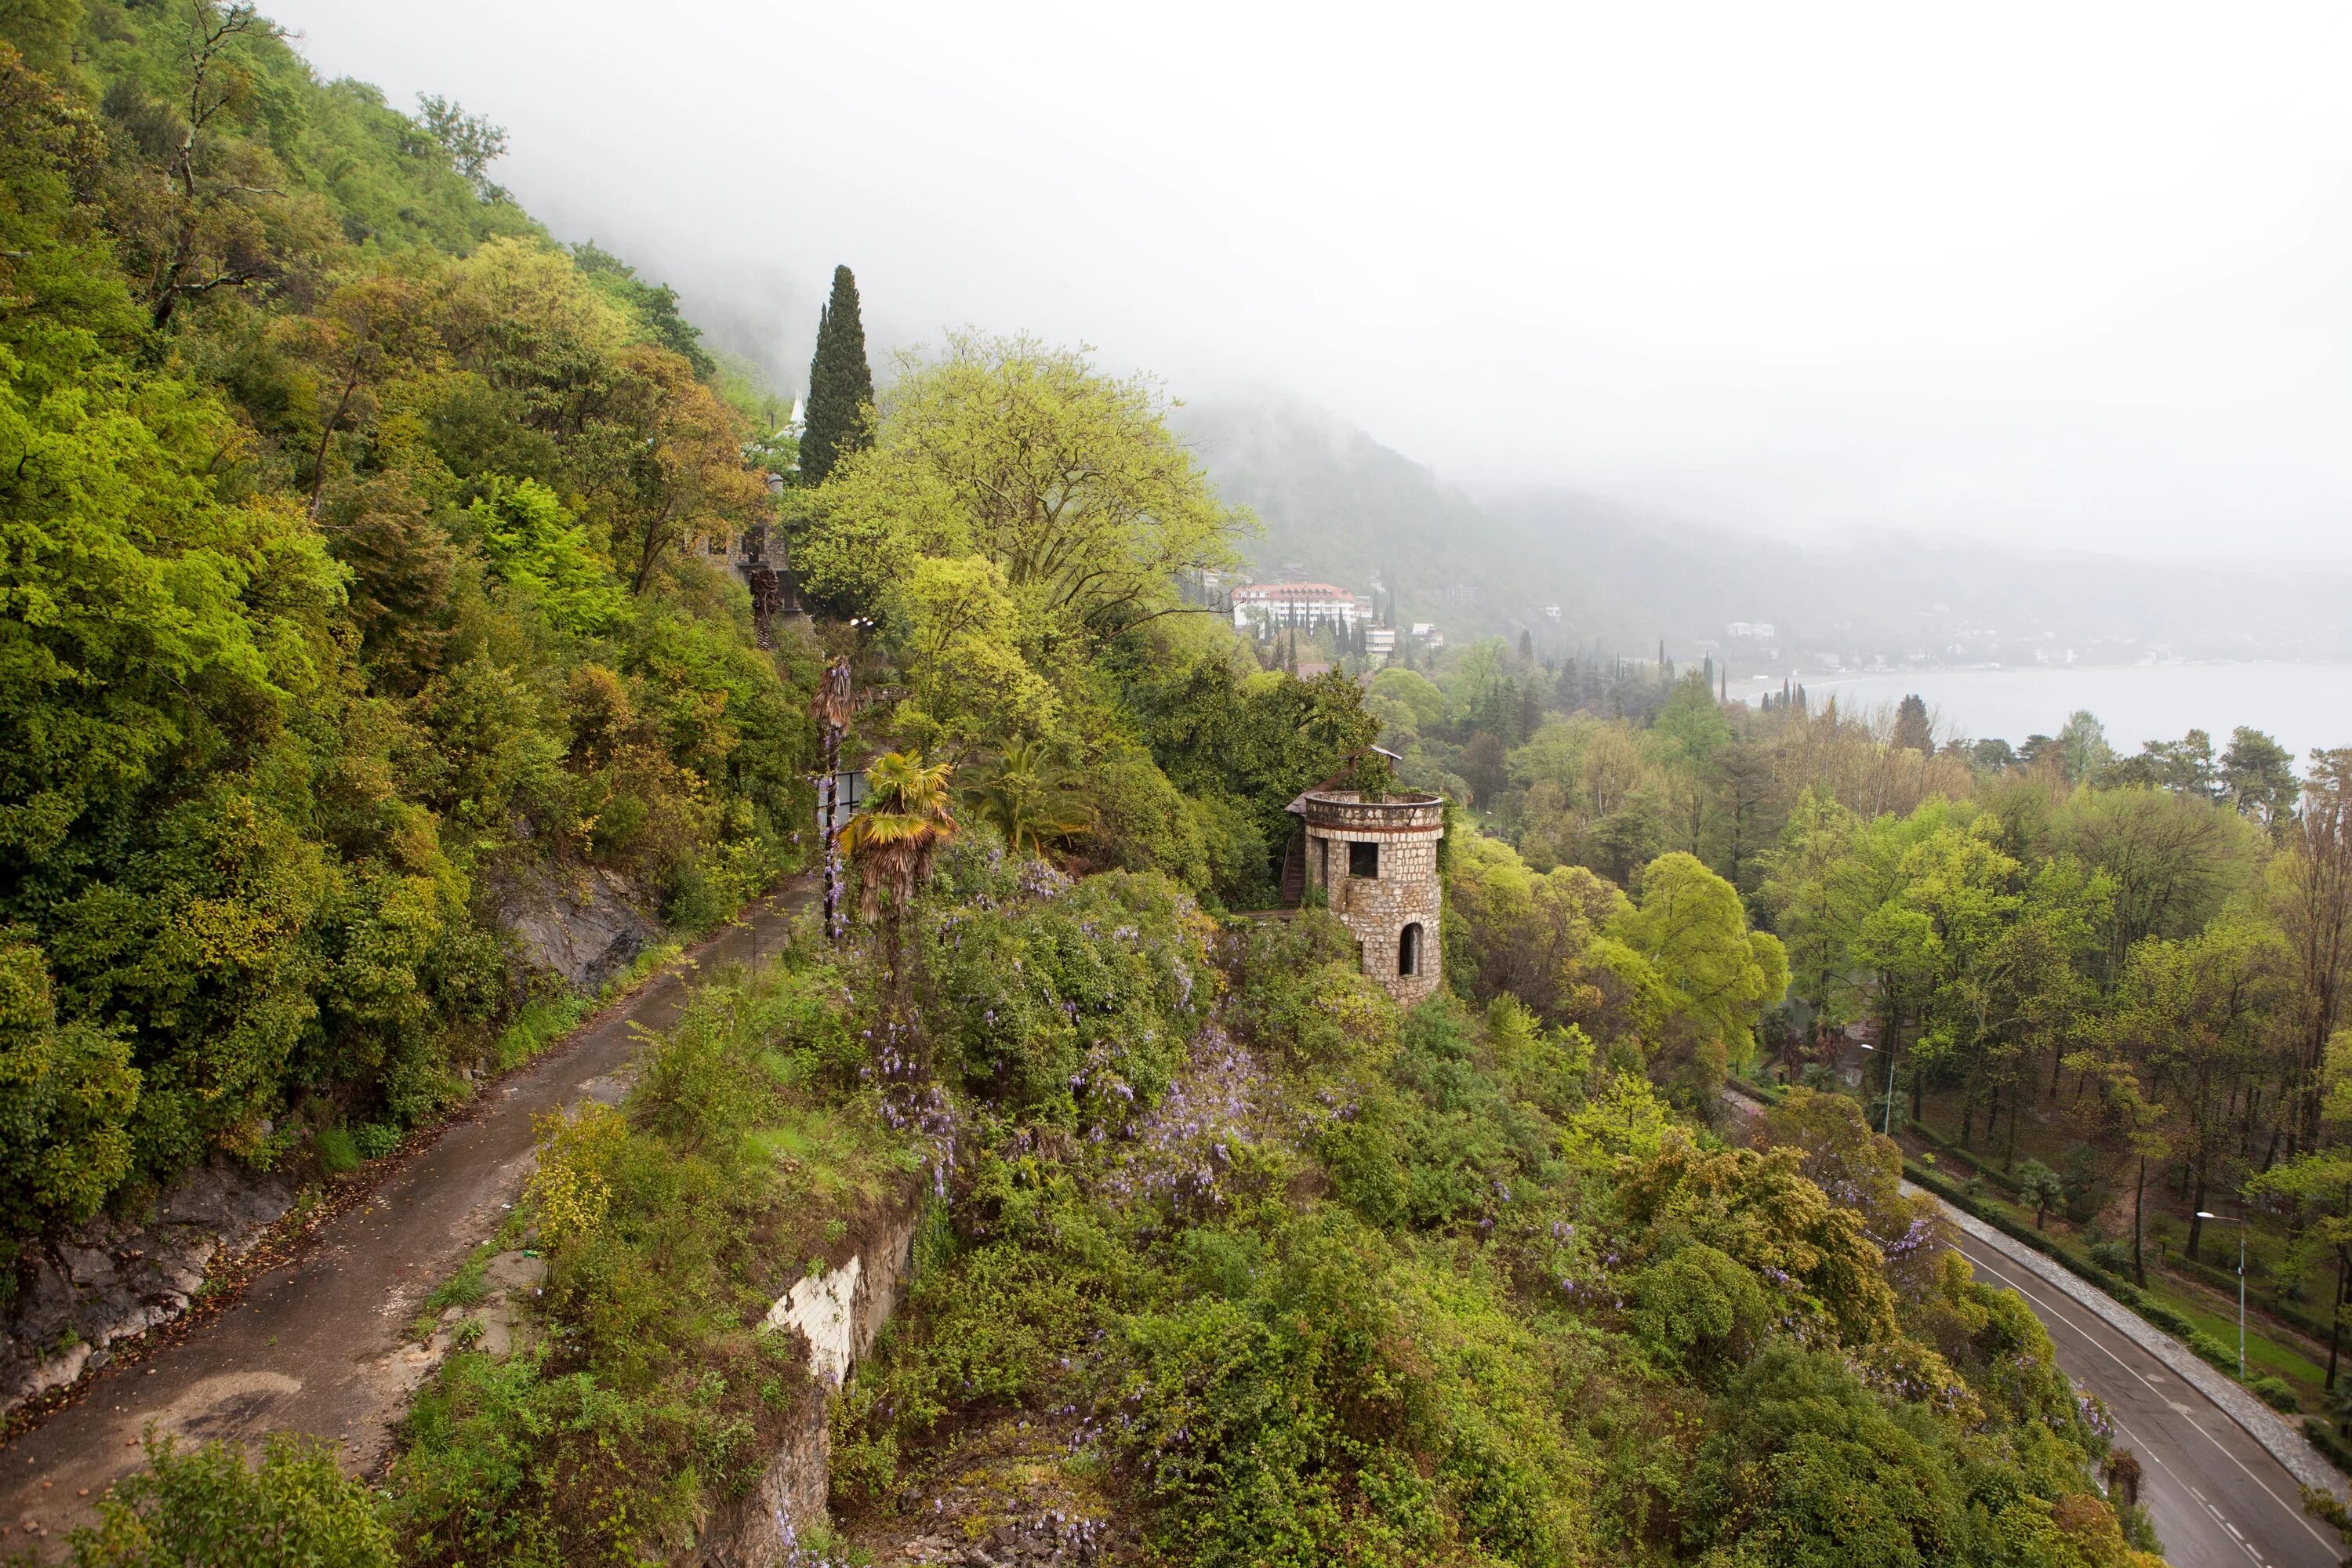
(644, 1394)
(2115, 1256)
(2275, 1393)
(375, 1139)
(2325, 1437)
(295, 1509)
(1072, 1009)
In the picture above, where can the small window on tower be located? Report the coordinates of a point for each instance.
(1363, 859)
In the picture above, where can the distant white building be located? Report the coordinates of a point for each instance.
(1307, 605)
(1379, 642)
(1551, 611)
(1761, 631)
(1426, 633)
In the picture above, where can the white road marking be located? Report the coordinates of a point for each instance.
(2293, 1512)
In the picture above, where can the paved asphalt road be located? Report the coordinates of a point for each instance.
(2217, 1498)
(320, 1345)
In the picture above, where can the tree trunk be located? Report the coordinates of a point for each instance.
(319, 459)
(2139, 1201)
(2196, 1207)
(2335, 1317)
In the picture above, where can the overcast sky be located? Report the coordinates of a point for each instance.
(2051, 274)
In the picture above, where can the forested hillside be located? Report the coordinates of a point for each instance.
(2109, 986)
(353, 570)
(358, 573)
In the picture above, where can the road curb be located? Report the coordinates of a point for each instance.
(2266, 1427)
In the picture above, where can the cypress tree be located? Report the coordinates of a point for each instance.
(840, 386)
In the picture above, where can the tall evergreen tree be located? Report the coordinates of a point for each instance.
(1911, 731)
(841, 385)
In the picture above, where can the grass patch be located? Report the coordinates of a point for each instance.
(2263, 1354)
(544, 1020)
(468, 1286)
(337, 1152)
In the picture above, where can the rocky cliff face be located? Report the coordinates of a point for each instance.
(576, 921)
(106, 1281)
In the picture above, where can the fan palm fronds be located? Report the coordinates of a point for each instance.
(905, 821)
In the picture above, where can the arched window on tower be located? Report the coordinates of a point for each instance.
(1409, 949)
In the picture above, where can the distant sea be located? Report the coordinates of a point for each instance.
(2299, 705)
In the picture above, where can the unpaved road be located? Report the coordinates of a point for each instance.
(320, 1345)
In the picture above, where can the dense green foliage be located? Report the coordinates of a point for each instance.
(1017, 534)
(344, 586)
(356, 578)
(1318, 1281)
(2121, 976)
(294, 1505)
(1274, 1271)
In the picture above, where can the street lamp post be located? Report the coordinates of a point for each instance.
(1866, 1046)
(2241, 1223)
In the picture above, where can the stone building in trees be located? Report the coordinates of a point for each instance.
(1375, 863)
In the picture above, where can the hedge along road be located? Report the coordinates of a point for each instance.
(321, 1345)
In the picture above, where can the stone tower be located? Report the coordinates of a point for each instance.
(1376, 863)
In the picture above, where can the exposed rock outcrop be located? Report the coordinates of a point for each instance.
(106, 1281)
(575, 921)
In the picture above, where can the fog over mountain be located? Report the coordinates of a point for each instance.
(2063, 279)
(1334, 504)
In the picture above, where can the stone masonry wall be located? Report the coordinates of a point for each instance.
(1377, 908)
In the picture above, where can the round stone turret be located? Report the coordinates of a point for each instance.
(1376, 864)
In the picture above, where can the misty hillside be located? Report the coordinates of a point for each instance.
(1341, 507)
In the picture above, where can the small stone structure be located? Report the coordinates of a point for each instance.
(1376, 864)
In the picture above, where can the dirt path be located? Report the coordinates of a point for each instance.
(318, 1344)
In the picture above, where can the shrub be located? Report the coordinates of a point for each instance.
(295, 1509)
(376, 1140)
(2112, 1255)
(2275, 1393)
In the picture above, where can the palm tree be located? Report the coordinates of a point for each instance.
(1031, 799)
(892, 841)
